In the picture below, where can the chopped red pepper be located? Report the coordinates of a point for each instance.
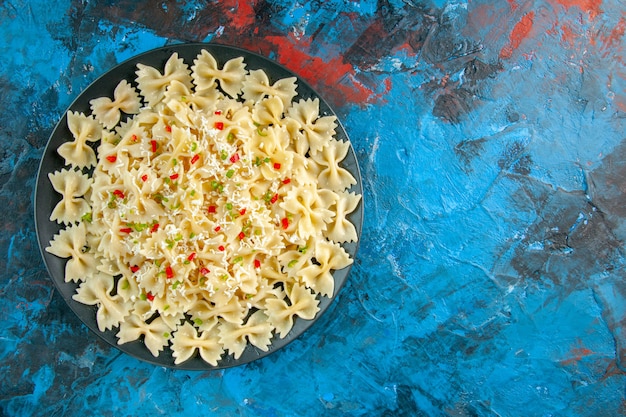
(173, 177)
(134, 138)
(242, 211)
(168, 128)
(191, 256)
(118, 194)
(212, 209)
(134, 268)
(221, 248)
(274, 198)
(241, 235)
(169, 272)
(204, 270)
(276, 165)
(112, 158)
(219, 125)
(144, 177)
(257, 263)
(195, 158)
(217, 228)
(154, 228)
(153, 144)
(286, 180)
(149, 296)
(234, 158)
(285, 223)
(218, 112)
(126, 230)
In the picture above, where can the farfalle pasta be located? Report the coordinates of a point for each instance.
(84, 129)
(204, 209)
(108, 111)
(72, 185)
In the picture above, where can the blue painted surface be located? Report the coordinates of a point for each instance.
(490, 278)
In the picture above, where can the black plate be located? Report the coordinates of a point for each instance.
(46, 197)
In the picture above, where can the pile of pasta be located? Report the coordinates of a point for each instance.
(203, 209)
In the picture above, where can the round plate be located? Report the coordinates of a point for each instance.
(46, 197)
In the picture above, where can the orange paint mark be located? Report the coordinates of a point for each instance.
(521, 30)
(335, 74)
(592, 7)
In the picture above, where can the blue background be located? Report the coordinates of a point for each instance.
(491, 273)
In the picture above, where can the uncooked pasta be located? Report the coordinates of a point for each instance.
(203, 209)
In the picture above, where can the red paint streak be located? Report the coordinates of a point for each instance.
(387, 85)
(335, 74)
(513, 4)
(612, 370)
(239, 13)
(407, 48)
(577, 355)
(592, 7)
(520, 32)
(614, 40)
(567, 35)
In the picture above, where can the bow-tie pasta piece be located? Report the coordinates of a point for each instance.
(112, 309)
(302, 303)
(317, 275)
(72, 185)
(156, 334)
(153, 84)
(268, 111)
(112, 244)
(84, 129)
(341, 229)
(108, 112)
(204, 316)
(304, 171)
(306, 207)
(257, 86)
(332, 176)
(294, 258)
(73, 243)
(206, 73)
(235, 337)
(316, 131)
(186, 341)
(178, 96)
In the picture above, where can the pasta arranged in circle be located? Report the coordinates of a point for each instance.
(212, 212)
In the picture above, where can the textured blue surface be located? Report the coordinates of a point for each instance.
(491, 274)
